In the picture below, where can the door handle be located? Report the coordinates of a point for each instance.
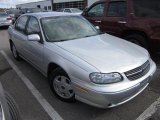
(122, 22)
(98, 21)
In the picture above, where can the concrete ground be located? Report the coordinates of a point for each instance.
(31, 109)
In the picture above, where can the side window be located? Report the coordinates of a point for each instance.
(117, 9)
(33, 26)
(21, 24)
(97, 10)
(67, 10)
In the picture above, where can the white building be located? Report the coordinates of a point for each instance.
(46, 4)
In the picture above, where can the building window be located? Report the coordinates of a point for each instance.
(38, 6)
(45, 7)
(74, 4)
(49, 7)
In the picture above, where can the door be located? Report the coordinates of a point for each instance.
(34, 49)
(96, 13)
(19, 35)
(115, 21)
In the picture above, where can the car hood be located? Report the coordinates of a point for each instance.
(106, 53)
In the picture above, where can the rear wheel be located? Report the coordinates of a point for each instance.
(61, 85)
(15, 52)
(137, 39)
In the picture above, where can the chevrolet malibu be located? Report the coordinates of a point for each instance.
(81, 62)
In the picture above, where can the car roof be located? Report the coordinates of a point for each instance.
(50, 14)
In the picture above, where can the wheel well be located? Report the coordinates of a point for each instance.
(52, 66)
(10, 42)
(128, 32)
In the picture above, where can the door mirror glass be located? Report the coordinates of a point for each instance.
(34, 37)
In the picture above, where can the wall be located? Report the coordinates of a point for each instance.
(90, 2)
(34, 4)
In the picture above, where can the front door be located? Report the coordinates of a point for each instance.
(34, 48)
(115, 21)
(96, 13)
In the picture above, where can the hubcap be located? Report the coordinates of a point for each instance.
(14, 51)
(62, 86)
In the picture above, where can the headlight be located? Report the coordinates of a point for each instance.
(105, 78)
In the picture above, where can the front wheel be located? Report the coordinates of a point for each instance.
(61, 85)
(137, 39)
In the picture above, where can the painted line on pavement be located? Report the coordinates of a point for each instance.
(47, 107)
(150, 110)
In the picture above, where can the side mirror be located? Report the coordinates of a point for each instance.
(34, 37)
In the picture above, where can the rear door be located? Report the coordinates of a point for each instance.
(147, 18)
(116, 17)
(96, 13)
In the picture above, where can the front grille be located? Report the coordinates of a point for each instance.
(138, 72)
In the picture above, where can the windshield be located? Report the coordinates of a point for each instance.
(64, 28)
(147, 8)
(75, 10)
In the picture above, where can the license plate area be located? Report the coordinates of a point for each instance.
(144, 82)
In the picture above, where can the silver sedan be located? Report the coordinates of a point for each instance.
(81, 62)
(5, 20)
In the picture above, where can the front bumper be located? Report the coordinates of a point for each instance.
(110, 96)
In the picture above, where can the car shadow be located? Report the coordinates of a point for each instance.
(156, 59)
(4, 28)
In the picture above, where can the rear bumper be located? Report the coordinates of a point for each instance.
(5, 23)
(104, 99)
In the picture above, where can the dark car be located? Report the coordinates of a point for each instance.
(137, 21)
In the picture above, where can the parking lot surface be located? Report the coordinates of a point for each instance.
(31, 109)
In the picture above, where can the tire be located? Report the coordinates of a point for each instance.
(137, 39)
(13, 109)
(15, 52)
(61, 85)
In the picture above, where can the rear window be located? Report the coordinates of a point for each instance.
(147, 8)
(3, 15)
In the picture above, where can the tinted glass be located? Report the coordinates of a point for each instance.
(21, 23)
(96, 10)
(67, 10)
(147, 8)
(65, 28)
(75, 10)
(60, 10)
(117, 9)
(33, 26)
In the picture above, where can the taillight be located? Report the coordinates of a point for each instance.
(9, 18)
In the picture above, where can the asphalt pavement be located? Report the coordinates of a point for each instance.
(31, 109)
